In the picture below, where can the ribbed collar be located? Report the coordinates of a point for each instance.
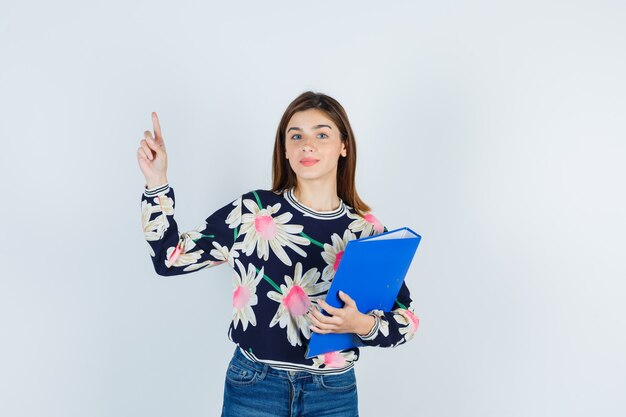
(308, 211)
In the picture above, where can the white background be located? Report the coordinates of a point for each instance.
(495, 129)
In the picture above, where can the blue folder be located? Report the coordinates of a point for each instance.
(371, 271)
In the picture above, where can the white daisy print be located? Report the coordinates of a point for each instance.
(194, 267)
(244, 294)
(222, 253)
(295, 300)
(263, 231)
(408, 320)
(179, 255)
(383, 325)
(335, 359)
(189, 242)
(234, 217)
(366, 225)
(153, 229)
(333, 253)
(165, 203)
(191, 237)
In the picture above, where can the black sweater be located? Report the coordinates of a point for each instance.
(284, 256)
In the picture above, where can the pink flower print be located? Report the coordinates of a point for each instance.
(409, 321)
(244, 294)
(265, 227)
(175, 253)
(334, 252)
(267, 233)
(378, 227)
(335, 359)
(368, 225)
(413, 320)
(241, 296)
(296, 301)
(182, 254)
(337, 260)
(295, 297)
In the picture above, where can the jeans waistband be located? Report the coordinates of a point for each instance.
(264, 368)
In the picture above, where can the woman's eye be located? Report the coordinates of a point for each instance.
(298, 136)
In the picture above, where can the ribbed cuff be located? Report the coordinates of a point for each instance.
(153, 192)
(372, 334)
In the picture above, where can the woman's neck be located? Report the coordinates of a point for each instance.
(317, 196)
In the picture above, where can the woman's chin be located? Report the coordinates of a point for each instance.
(310, 176)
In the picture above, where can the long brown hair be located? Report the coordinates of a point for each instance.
(283, 177)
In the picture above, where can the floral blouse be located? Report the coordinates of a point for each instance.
(283, 257)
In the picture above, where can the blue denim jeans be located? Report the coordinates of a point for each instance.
(256, 389)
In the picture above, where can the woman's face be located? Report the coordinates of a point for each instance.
(313, 145)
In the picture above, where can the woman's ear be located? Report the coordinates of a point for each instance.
(344, 151)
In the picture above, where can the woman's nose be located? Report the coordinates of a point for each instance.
(307, 144)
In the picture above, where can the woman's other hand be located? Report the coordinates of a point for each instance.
(152, 156)
(342, 320)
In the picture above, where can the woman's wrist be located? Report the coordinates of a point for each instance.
(365, 325)
(150, 184)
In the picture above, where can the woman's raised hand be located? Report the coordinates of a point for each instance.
(152, 156)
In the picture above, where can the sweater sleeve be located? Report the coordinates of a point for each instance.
(393, 328)
(175, 253)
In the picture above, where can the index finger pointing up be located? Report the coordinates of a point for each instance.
(157, 128)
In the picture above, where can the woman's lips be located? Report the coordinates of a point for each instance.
(309, 162)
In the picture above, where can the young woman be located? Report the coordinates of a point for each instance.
(284, 246)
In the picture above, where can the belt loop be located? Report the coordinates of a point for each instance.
(264, 369)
